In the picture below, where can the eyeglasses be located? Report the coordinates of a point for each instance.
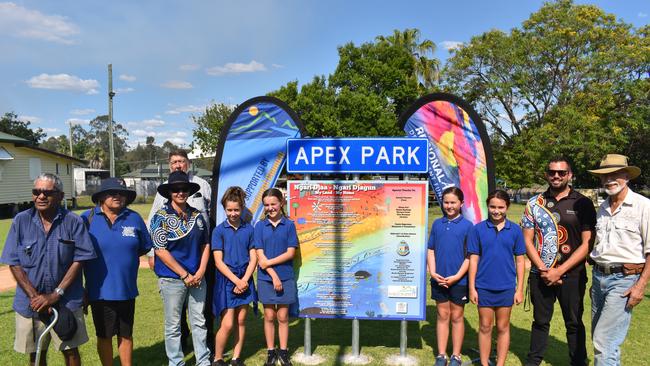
(561, 173)
(179, 189)
(46, 192)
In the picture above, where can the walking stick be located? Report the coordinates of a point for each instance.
(46, 331)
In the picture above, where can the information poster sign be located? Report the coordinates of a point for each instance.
(362, 248)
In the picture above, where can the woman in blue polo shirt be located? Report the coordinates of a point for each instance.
(496, 280)
(235, 259)
(120, 237)
(448, 264)
(276, 241)
(181, 243)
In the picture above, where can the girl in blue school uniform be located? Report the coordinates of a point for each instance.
(235, 259)
(447, 262)
(496, 274)
(276, 241)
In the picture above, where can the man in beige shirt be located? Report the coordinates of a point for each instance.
(620, 256)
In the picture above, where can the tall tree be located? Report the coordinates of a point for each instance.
(209, 124)
(427, 68)
(59, 144)
(9, 123)
(560, 83)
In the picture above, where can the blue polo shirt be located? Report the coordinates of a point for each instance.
(46, 258)
(234, 243)
(182, 237)
(496, 265)
(275, 240)
(448, 240)
(113, 275)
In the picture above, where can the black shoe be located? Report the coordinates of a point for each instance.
(284, 357)
(271, 358)
(219, 362)
(236, 362)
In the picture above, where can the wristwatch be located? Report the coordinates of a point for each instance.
(59, 291)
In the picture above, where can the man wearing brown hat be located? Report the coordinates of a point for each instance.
(620, 256)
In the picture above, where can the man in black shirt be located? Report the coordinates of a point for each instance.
(558, 226)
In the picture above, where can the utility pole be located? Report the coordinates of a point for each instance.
(70, 139)
(111, 94)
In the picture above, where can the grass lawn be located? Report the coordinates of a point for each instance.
(332, 338)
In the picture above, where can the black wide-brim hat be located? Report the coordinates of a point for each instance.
(177, 178)
(114, 184)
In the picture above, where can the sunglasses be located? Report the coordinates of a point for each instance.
(115, 193)
(180, 189)
(561, 173)
(46, 192)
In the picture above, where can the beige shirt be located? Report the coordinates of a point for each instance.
(623, 236)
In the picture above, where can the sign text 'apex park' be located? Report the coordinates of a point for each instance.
(357, 155)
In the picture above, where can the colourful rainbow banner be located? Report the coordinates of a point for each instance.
(459, 149)
(252, 151)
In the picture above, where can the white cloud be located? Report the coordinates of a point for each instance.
(124, 90)
(189, 67)
(51, 129)
(25, 23)
(186, 109)
(277, 66)
(175, 84)
(642, 15)
(32, 119)
(129, 78)
(64, 82)
(235, 68)
(451, 45)
(77, 121)
(176, 137)
(82, 112)
(153, 122)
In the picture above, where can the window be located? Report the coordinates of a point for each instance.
(57, 168)
(67, 169)
(34, 168)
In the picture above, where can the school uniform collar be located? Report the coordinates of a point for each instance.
(227, 224)
(283, 221)
(458, 219)
(491, 225)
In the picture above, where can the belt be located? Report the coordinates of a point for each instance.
(625, 268)
(617, 268)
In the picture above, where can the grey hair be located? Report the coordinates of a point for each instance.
(58, 184)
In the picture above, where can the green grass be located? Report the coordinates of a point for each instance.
(332, 338)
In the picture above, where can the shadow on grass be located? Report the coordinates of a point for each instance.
(148, 355)
(556, 350)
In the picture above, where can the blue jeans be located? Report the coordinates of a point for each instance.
(174, 293)
(610, 319)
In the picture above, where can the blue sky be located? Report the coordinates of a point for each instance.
(172, 58)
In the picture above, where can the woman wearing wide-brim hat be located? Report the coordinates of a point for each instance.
(181, 240)
(120, 237)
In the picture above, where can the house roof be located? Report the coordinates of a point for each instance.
(21, 142)
(155, 171)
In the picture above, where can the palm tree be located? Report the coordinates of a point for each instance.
(426, 69)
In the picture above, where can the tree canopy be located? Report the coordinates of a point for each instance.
(9, 123)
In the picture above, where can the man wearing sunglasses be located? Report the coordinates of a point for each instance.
(558, 226)
(45, 248)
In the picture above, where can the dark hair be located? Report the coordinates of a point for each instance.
(178, 152)
(500, 194)
(455, 191)
(234, 194)
(274, 192)
(560, 159)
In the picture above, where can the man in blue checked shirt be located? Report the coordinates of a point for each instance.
(44, 250)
